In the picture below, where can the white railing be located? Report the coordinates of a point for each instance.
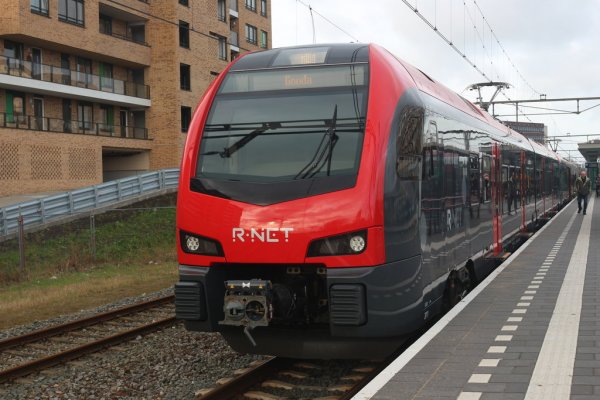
(55, 207)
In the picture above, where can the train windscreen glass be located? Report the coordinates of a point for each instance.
(286, 124)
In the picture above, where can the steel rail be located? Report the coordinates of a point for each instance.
(241, 383)
(82, 323)
(79, 351)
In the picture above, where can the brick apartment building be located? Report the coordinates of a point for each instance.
(92, 90)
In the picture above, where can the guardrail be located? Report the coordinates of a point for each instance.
(55, 207)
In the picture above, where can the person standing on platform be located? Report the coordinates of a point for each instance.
(597, 185)
(583, 185)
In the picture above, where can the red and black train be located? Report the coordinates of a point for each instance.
(334, 198)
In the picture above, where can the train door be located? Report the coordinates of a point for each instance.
(522, 189)
(496, 199)
(432, 224)
(446, 259)
(461, 206)
(543, 185)
(505, 189)
(529, 187)
(455, 198)
(480, 233)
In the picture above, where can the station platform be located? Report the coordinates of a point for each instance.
(530, 330)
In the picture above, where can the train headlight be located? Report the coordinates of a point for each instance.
(192, 243)
(195, 244)
(346, 244)
(357, 244)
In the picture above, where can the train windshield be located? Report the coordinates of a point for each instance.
(286, 124)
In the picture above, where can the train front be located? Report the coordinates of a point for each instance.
(279, 217)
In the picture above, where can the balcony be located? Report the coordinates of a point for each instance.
(121, 24)
(62, 76)
(135, 35)
(30, 122)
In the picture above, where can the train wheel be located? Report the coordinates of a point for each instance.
(459, 283)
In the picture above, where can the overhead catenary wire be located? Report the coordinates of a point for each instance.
(487, 50)
(504, 50)
(448, 41)
(312, 20)
(311, 9)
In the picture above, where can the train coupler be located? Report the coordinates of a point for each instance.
(247, 304)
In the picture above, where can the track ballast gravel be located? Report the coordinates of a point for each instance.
(169, 364)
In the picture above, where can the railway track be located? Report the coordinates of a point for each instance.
(280, 378)
(45, 348)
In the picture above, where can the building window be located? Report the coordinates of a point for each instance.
(251, 5)
(84, 71)
(107, 118)
(106, 76)
(184, 34)
(186, 117)
(13, 51)
(184, 3)
(65, 69)
(71, 11)
(184, 77)
(66, 112)
(221, 10)
(15, 108)
(250, 34)
(137, 33)
(38, 122)
(222, 48)
(39, 7)
(264, 39)
(35, 55)
(263, 8)
(105, 24)
(84, 116)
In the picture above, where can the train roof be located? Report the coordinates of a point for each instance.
(428, 85)
(304, 55)
(344, 53)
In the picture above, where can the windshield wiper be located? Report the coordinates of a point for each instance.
(228, 151)
(323, 153)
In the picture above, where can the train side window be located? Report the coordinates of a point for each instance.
(408, 144)
(486, 167)
(429, 151)
(474, 179)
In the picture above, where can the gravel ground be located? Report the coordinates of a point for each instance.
(170, 364)
(20, 330)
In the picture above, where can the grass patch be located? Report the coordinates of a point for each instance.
(134, 253)
(120, 237)
(70, 292)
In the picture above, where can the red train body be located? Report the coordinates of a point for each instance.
(333, 196)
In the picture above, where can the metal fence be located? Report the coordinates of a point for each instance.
(55, 207)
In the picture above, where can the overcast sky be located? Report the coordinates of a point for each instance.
(555, 44)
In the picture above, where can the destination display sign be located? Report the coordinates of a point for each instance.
(295, 78)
